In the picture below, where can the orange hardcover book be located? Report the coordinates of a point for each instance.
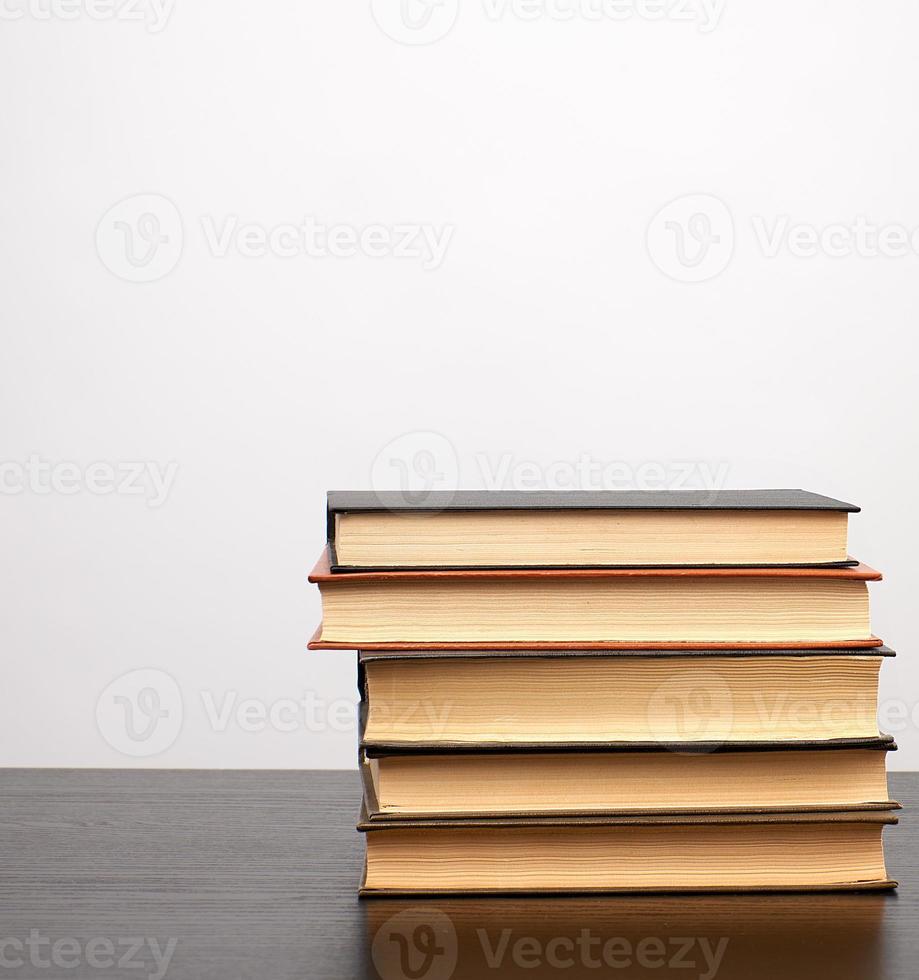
(595, 608)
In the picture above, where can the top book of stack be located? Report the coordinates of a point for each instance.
(478, 529)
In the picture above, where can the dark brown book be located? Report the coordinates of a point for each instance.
(506, 700)
(615, 779)
(370, 530)
(703, 852)
(590, 608)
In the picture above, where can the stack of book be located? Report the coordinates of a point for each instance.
(617, 691)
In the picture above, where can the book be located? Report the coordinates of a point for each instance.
(607, 607)
(500, 699)
(545, 780)
(370, 530)
(702, 852)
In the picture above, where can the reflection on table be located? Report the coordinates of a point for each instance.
(747, 937)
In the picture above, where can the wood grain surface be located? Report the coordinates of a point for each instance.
(255, 875)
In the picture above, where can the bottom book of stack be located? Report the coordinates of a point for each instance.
(804, 851)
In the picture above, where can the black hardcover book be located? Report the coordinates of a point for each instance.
(391, 530)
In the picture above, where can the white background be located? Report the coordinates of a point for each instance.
(559, 327)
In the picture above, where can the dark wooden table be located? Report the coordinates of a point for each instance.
(228, 875)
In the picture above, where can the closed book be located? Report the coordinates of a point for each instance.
(652, 607)
(369, 530)
(699, 852)
(500, 700)
(542, 780)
